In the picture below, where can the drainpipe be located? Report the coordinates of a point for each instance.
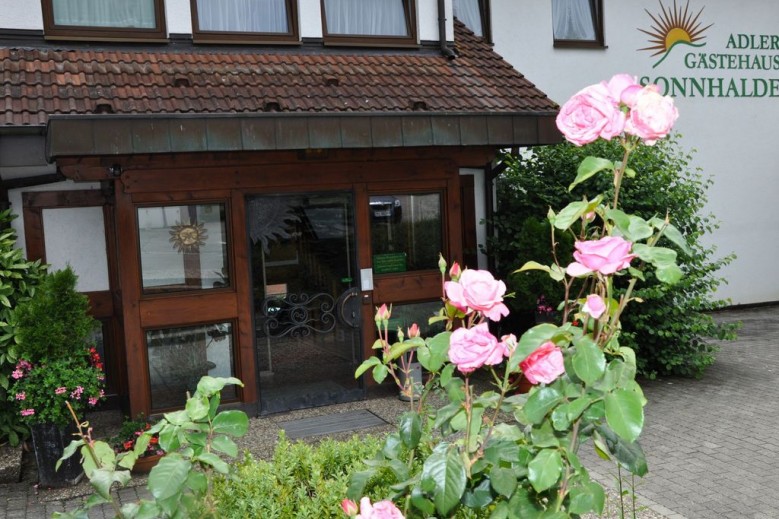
(445, 50)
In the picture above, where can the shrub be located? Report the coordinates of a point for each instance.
(18, 281)
(301, 480)
(671, 333)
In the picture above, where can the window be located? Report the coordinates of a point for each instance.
(104, 19)
(406, 232)
(244, 20)
(577, 23)
(179, 357)
(474, 14)
(383, 22)
(183, 247)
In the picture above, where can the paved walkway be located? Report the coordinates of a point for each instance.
(712, 444)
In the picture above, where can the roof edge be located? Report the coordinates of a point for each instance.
(115, 134)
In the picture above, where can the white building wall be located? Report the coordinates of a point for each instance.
(27, 14)
(732, 130)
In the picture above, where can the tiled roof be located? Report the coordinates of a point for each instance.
(38, 82)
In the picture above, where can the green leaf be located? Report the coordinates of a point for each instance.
(544, 436)
(628, 454)
(438, 350)
(638, 229)
(480, 497)
(380, 372)
(366, 365)
(167, 478)
(207, 386)
(225, 445)
(421, 503)
(533, 265)
(541, 402)
(410, 429)
(587, 497)
(588, 361)
(589, 167)
(523, 506)
(399, 348)
(357, 483)
(446, 374)
(69, 451)
(577, 407)
(101, 480)
(197, 408)
(211, 459)
(677, 238)
(444, 471)
(232, 423)
(503, 480)
(657, 256)
(544, 469)
(570, 214)
(669, 274)
(625, 414)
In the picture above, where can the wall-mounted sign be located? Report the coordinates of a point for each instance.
(389, 263)
(677, 34)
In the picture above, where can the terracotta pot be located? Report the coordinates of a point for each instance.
(145, 464)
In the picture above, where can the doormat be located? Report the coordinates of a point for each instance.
(330, 424)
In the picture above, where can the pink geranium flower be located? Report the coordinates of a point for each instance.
(28, 412)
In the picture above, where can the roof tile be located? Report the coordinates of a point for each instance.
(39, 82)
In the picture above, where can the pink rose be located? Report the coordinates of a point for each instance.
(591, 113)
(379, 510)
(349, 507)
(382, 314)
(455, 271)
(413, 331)
(594, 306)
(509, 342)
(472, 348)
(623, 89)
(544, 365)
(607, 255)
(478, 291)
(652, 115)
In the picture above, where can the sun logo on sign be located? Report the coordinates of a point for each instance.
(674, 26)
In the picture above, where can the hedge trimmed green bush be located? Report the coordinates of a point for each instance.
(672, 330)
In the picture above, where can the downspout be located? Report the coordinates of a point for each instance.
(445, 50)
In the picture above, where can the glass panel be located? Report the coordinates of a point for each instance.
(469, 12)
(179, 357)
(573, 20)
(264, 16)
(105, 13)
(76, 237)
(366, 17)
(306, 299)
(183, 247)
(405, 315)
(406, 232)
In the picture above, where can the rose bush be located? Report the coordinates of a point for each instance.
(465, 454)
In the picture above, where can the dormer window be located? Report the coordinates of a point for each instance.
(241, 21)
(379, 22)
(104, 19)
(474, 14)
(578, 23)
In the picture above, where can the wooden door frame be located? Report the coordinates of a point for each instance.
(194, 179)
(105, 305)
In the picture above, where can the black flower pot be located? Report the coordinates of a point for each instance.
(49, 441)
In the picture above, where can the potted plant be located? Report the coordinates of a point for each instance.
(56, 366)
(127, 437)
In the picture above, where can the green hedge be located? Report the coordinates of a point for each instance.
(672, 330)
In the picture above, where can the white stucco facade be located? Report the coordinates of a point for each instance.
(726, 88)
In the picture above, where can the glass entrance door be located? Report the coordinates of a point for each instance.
(306, 299)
